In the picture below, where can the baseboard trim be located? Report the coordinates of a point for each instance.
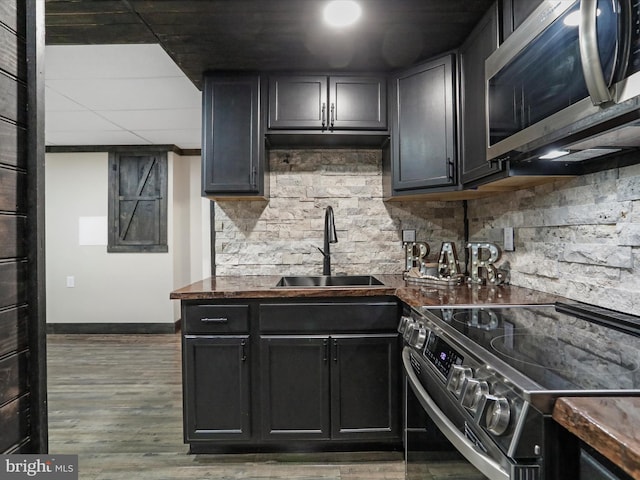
(113, 328)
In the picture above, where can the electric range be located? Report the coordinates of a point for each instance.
(488, 376)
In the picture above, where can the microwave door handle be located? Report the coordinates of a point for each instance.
(486, 465)
(591, 66)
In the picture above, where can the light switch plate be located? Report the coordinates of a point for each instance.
(408, 236)
(508, 239)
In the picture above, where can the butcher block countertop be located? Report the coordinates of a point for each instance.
(611, 425)
(264, 287)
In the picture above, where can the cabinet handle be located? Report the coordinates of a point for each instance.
(324, 114)
(253, 177)
(333, 117)
(325, 343)
(335, 350)
(214, 320)
(451, 170)
(243, 352)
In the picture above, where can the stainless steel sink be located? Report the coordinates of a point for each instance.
(328, 281)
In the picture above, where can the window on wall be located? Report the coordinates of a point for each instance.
(137, 202)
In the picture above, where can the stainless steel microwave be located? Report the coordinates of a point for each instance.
(566, 84)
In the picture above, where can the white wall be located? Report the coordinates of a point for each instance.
(111, 287)
(200, 222)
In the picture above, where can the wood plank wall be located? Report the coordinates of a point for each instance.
(20, 422)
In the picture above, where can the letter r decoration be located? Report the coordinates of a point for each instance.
(483, 269)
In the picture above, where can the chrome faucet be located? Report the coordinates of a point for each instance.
(329, 237)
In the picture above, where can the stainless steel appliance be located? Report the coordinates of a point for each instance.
(488, 378)
(566, 84)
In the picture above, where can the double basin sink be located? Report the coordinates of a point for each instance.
(322, 281)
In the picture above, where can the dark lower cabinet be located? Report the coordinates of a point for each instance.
(294, 373)
(291, 374)
(217, 388)
(335, 387)
(594, 466)
(365, 387)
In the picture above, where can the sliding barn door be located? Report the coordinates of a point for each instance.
(22, 336)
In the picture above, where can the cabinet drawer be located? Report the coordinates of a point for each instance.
(216, 319)
(329, 317)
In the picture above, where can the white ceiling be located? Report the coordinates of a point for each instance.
(118, 95)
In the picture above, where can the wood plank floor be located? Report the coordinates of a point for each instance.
(115, 400)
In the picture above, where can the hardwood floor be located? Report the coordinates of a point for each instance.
(115, 400)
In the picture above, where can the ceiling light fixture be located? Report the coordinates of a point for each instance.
(341, 13)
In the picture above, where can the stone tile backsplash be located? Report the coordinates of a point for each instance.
(281, 236)
(578, 238)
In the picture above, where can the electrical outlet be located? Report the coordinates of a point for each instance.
(71, 281)
(508, 239)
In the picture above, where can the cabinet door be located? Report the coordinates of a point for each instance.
(423, 131)
(473, 117)
(515, 12)
(358, 103)
(233, 150)
(294, 374)
(216, 388)
(365, 387)
(298, 102)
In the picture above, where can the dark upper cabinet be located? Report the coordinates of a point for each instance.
(473, 136)
(327, 103)
(423, 125)
(233, 144)
(515, 12)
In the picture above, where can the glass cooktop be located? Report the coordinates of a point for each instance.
(556, 349)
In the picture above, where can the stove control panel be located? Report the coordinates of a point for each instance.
(474, 387)
(442, 355)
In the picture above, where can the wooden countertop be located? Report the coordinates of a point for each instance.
(611, 425)
(264, 287)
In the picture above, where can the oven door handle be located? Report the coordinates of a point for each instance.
(486, 465)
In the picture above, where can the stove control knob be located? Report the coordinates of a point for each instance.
(474, 394)
(408, 331)
(497, 414)
(457, 379)
(404, 320)
(419, 336)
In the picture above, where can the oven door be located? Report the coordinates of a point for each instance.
(417, 460)
(423, 442)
